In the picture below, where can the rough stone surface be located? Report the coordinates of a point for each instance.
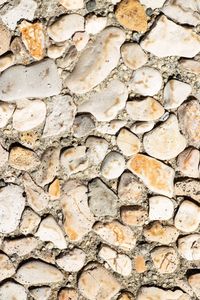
(23, 159)
(165, 259)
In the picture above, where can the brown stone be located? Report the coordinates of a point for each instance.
(140, 265)
(54, 189)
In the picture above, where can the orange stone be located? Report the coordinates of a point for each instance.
(140, 265)
(54, 189)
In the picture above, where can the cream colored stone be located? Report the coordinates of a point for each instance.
(80, 40)
(133, 55)
(97, 148)
(30, 221)
(160, 208)
(7, 268)
(56, 51)
(141, 127)
(94, 24)
(6, 61)
(175, 93)
(113, 165)
(165, 259)
(55, 189)
(189, 246)
(23, 159)
(190, 65)
(140, 265)
(160, 294)
(188, 162)
(127, 142)
(41, 293)
(186, 187)
(6, 111)
(68, 294)
(194, 281)
(112, 127)
(20, 246)
(72, 4)
(125, 296)
(5, 39)
(12, 290)
(133, 215)
(72, 261)
(74, 160)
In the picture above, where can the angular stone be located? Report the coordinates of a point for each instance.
(20, 246)
(4, 157)
(133, 215)
(141, 127)
(97, 148)
(190, 65)
(83, 125)
(68, 294)
(160, 294)
(113, 165)
(188, 162)
(75, 4)
(74, 160)
(165, 259)
(72, 261)
(41, 293)
(106, 104)
(127, 142)
(12, 290)
(157, 176)
(5, 39)
(37, 80)
(133, 55)
(101, 57)
(194, 281)
(166, 33)
(189, 246)
(188, 187)
(160, 208)
(7, 268)
(6, 111)
(165, 141)
(55, 189)
(112, 127)
(94, 24)
(6, 61)
(175, 93)
(30, 221)
(19, 51)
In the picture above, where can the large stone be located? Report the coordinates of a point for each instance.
(11, 290)
(7, 268)
(147, 293)
(165, 259)
(175, 93)
(20, 246)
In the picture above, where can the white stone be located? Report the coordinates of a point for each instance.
(102, 57)
(188, 162)
(6, 61)
(97, 148)
(152, 3)
(30, 221)
(41, 293)
(113, 165)
(63, 28)
(160, 208)
(165, 259)
(72, 4)
(12, 290)
(55, 51)
(175, 93)
(133, 55)
(6, 112)
(166, 33)
(146, 81)
(7, 268)
(127, 142)
(141, 127)
(74, 160)
(160, 294)
(94, 24)
(3, 1)
(20, 246)
(189, 246)
(80, 40)
(4, 157)
(111, 127)
(72, 261)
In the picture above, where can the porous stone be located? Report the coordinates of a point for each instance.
(189, 246)
(7, 268)
(133, 215)
(133, 55)
(68, 294)
(12, 290)
(141, 127)
(175, 93)
(95, 24)
(188, 187)
(155, 292)
(41, 293)
(74, 160)
(165, 259)
(113, 165)
(194, 281)
(5, 39)
(83, 125)
(188, 162)
(20, 246)
(97, 148)
(6, 112)
(70, 5)
(160, 208)
(72, 261)
(23, 159)
(29, 221)
(127, 142)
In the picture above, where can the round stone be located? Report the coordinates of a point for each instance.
(113, 165)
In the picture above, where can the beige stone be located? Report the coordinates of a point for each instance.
(113, 165)
(12, 290)
(55, 51)
(72, 4)
(141, 127)
(6, 61)
(72, 261)
(20, 246)
(55, 189)
(5, 39)
(133, 215)
(133, 55)
(140, 265)
(68, 294)
(23, 159)
(80, 40)
(188, 162)
(189, 246)
(190, 65)
(30, 221)
(160, 208)
(41, 293)
(188, 187)
(74, 160)
(165, 259)
(7, 268)
(112, 127)
(160, 294)
(97, 148)
(194, 281)
(127, 142)
(95, 24)
(152, 3)
(175, 93)
(6, 111)
(125, 296)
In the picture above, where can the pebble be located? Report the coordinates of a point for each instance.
(7, 268)
(12, 290)
(102, 57)
(189, 246)
(152, 3)
(190, 65)
(141, 127)
(112, 127)
(187, 218)
(188, 162)
(165, 141)
(133, 55)
(55, 189)
(158, 293)
(93, 283)
(95, 24)
(19, 51)
(165, 259)
(146, 81)
(12, 208)
(83, 125)
(147, 109)
(23, 159)
(160, 208)
(133, 215)
(175, 93)
(96, 149)
(120, 263)
(160, 39)
(74, 160)
(72, 261)
(113, 165)
(50, 231)
(5, 39)
(29, 221)
(68, 294)
(70, 5)
(65, 26)
(20, 246)
(6, 112)
(41, 293)
(4, 157)
(128, 143)
(80, 40)
(140, 266)
(188, 187)
(194, 281)
(91, 5)
(131, 15)
(125, 296)
(157, 176)
(55, 51)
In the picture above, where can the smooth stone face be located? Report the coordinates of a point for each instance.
(113, 165)
(101, 57)
(133, 55)
(165, 141)
(6, 111)
(160, 294)
(23, 159)
(83, 125)
(133, 215)
(105, 104)
(97, 148)
(141, 127)
(127, 142)
(165, 259)
(190, 65)
(74, 160)
(12, 290)
(146, 81)
(7, 268)
(40, 293)
(157, 176)
(152, 3)
(37, 80)
(188, 162)
(6, 61)
(94, 24)
(20, 246)
(72, 261)
(55, 189)
(166, 33)
(194, 281)
(80, 40)
(160, 208)
(75, 4)
(29, 221)
(112, 127)
(5, 39)
(175, 93)
(55, 51)
(189, 247)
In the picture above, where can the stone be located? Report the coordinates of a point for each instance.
(55, 189)
(70, 5)
(189, 246)
(91, 5)
(128, 143)
(72, 261)
(50, 231)
(97, 148)
(23, 159)
(5, 39)
(37, 272)
(80, 40)
(7, 268)
(37, 80)
(133, 215)
(74, 160)
(83, 125)
(29, 222)
(125, 296)
(113, 165)
(29, 115)
(188, 162)
(185, 42)
(147, 109)
(165, 141)
(65, 26)
(6, 61)
(12, 290)
(160, 294)
(160, 208)
(133, 56)
(116, 234)
(6, 112)
(187, 218)
(21, 55)
(182, 12)
(194, 281)
(68, 294)
(120, 263)
(189, 119)
(165, 259)
(24, 10)
(59, 121)
(102, 200)
(140, 266)
(175, 93)
(95, 24)
(188, 187)
(157, 176)
(4, 157)
(140, 127)
(159, 233)
(20, 246)
(77, 215)
(190, 65)
(102, 57)
(112, 127)
(131, 15)
(55, 51)
(152, 3)
(12, 208)
(93, 283)
(146, 81)
(106, 104)
(41, 293)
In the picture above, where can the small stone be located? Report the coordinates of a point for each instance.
(187, 218)
(55, 51)
(80, 40)
(70, 5)
(188, 162)
(93, 283)
(189, 246)
(166, 33)
(147, 109)
(83, 125)
(6, 61)
(133, 215)
(158, 293)
(94, 24)
(20, 246)
(190, 65)
(63, 28)
(112, 127)
(74, 160)
(127, 142)
(23, 159)
(72, 261)
(4, 157)
(12, 290)
(41, 293)
(131, 15)
(68, 294)
(188, 187)
(152, 3)
(5, 39)
(97, 148)
(146, 81)
(30, 221)
(55, 189)
(160, 208)
(165, 259)
(116, 234)
(125, 296)
(7, 268)
(157, 176)
(140, 266)
(175, 93)
(6, 111)
(133, 55)
(120, 263)
(36, 272)
(113, 165)
(194, 281)
(102, 200)
(91, 5)
(106, 104)
(141, 127)
(19, 51)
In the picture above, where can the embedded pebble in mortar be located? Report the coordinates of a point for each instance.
(190, 65)
(175, 93)
(188, 187)
(82, 126)
(74, 160)
(70, 5)
(189, 246)
(113, 165)
(133, 215)
(80, 40)
(194, 282)
(20, 245)
(68, 294)
(94, 24)
(125, 296)
(165, 259)
(146, 81)
(97, 148)
(6, 112)
(72, 261)
(160, 208)
(188, 162)
(111, 127)
(29, 221)
(166, 33)
(19, 51)
(102, 57)
(4, 157)
(55, 189)
(127, 142)
(133, 55)
(5, 39)
(23, 159)
(40, 293)
(55, 51)
(158, 293)
(142, 127)
(6, 61)
(7, 268)
(12, 290)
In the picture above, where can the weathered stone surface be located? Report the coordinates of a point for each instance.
(5, 39)
(30, 221)
(160, 294)
(20, 246)
(188, 187)
(74, 160)
(127, 142)
(41, 293)
(12, 290)
(23, 159)
(7, 268)
(188, 162)
(55, 189)
(133, 215)
(94, 24)
(175, 93)
(6, 111)
(152, 3)
(190, 65)
(189, 246)
(83, 125)
(112, 127)
(125, 296)
(97, 148)
(80, 40)
(194, 281)
(75, 4)
(133, 55)
(68, 294)
(165, 259)
(102, 57)
(55, 51)
(72, 261)
(160, 208)
(113, 165)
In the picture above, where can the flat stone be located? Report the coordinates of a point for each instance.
(55, 189)
(102, 57)
(127, 142)
(30, 221)
(165, 141)
(12, 208)
(157, 176)
(75, 4)
(133, 55)
(185, 42)
(112, 127)
(175, 93)
(155, 292)
(20, 246)
(141, 127)
(188, 187)
(74, 160)
(12, 290)
(113, 165)
(188, 162)
(6, 112)
(190, 65)
(97, 148)
(72, 261)
(194, 281)
(160, 208)
(133, 215)
(41, 293)
(83, 125)
(146, 81)
(7, 268)
(68, 294)
(4, 157)
(95, 24)
(165, 259)
(93, 283)
(106, 104)
(5, 39)
(189, 246)
(37, 80)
